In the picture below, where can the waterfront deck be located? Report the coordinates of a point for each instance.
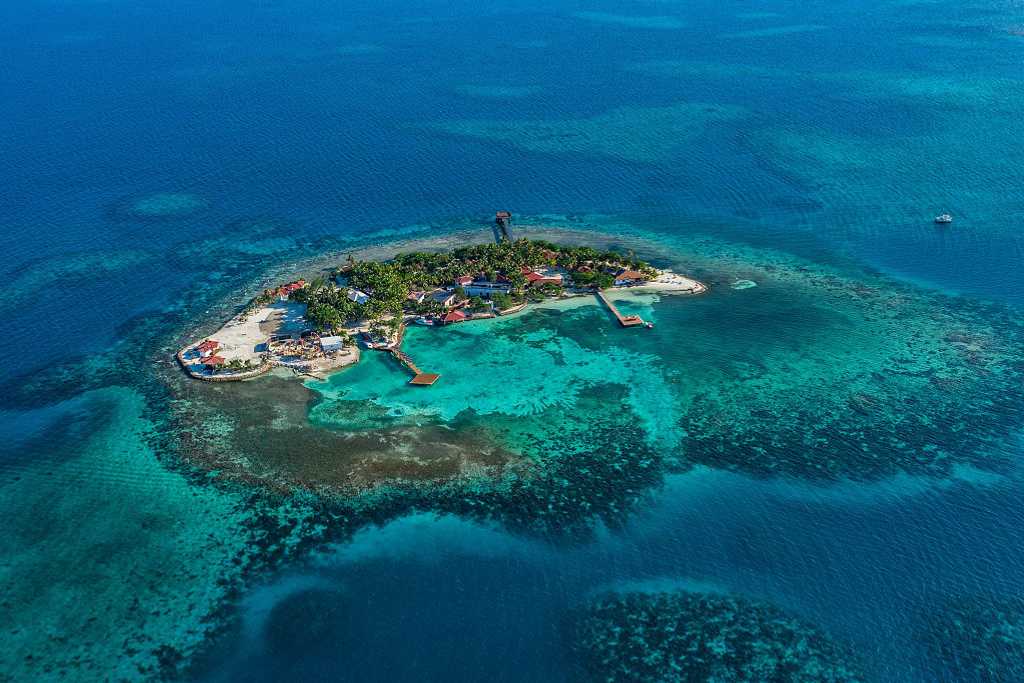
(419, 377)
(624, 320)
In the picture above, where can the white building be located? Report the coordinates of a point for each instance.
(444, 298)
(357, 296)
(486, 288)
(328, 344)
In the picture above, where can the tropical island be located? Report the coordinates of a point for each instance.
(316, 326)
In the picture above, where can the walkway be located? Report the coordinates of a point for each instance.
(420, 378)
(624, 320)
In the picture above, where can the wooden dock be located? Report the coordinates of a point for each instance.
(503, 221)
(419, 378)
(624, 320)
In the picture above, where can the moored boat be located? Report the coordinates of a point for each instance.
(943, 218)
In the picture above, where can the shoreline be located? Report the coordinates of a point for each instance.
(246, 337)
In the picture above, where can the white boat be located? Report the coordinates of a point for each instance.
(944, 218)
(423, 321)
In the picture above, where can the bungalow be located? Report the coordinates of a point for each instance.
(328, 344)
(444, 297)
(463, 280)
(357, 296)
(284, 291)
(454, 316)
(213, 362)
(416, 297)
(207, 348)
(629, 277)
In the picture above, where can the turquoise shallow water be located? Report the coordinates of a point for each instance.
(833, 443)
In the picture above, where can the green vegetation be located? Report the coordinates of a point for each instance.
(388, 283)
(502, 301)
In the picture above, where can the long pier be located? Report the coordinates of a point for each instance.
(419, 378)
(503, 221)
(624, 320)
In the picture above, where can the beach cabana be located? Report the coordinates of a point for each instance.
(454, 316)
(213, 362)
(207, 347)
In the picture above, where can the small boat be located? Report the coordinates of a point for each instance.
(943, 218)
(650, 326)
(424, 321)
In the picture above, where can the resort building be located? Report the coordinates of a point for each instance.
(486, 288)
(454, 316)
(624, 278)
(463, 280)
(537, 279)
(284, 291)
(207, 348)
(444, 297)
(213, 362)
(357, 296)
(328, 344)
(416, 297)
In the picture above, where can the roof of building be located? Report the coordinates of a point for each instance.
(356, 295)
(442, 295)
(454, 316)
(464, 279)
(630, 275)
(330, 341)
(208, 345)
(213, 360)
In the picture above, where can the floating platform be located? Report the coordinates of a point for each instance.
(424, 379)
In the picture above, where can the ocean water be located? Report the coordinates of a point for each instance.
(840, 441)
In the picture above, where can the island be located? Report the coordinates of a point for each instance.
(312, 327)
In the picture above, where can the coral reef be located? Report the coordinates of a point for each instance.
(978, 638)
(682, 636)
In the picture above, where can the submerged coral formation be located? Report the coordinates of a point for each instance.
(829, 374)
(979, 638)
(682, 636)
(822, 372)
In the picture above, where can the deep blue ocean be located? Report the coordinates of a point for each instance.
(141, 140)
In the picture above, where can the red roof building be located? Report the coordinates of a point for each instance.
(626, 276)
(213, 361)
(207, 347)
(454, 316)
(535, 278)
(464, 280)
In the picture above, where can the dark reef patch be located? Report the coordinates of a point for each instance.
(682, 637)
(978, 638)
(307, 619)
